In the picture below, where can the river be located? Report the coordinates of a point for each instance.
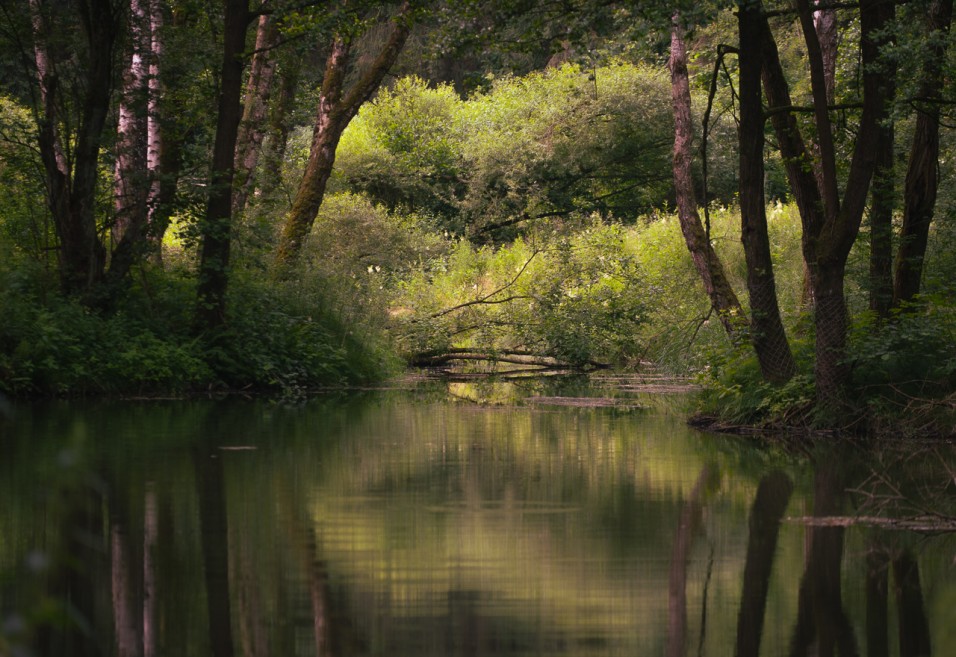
(437, 519)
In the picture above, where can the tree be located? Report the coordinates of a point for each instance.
(922, 176)
(255, 106)
(722, 297)
(71, 162)
(130, 180)
(767, 332)
(337, 106)
(830, 225)
(216, 226)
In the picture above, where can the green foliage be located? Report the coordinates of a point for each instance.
(735, 391)
(53, 346)
(548, 144)
(280, 338)
(914, 352)
(579, 298)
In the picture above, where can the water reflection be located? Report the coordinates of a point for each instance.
(409, 524)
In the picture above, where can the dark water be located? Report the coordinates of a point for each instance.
(419, 523)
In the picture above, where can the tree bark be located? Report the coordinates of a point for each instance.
(279, 127)
(767, 332)
(829, 226)
(882, 205)
(216, 226)
(130, 174)
(252, 125)
(922, 176)
(336, 109)
(711, 270)
(829, 249)
(825, 26)
(72, 182)
(164, 158)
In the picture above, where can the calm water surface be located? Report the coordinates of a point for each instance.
(418, 522)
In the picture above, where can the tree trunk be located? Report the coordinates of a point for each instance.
(882, 204)
(829, 226)
(825, 26)
(252, 125)
(216, 226)
(767, 332)
(166, 135)
(828, 250)
(279, 128)
(336, 109)
(130, 176)
(129, 172)
(711, 270)
(72, 193)
(922, 176)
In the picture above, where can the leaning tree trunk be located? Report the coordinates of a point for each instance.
(767, 332)
(711, 270)
(336, 109)
(922, 177)
(216, 226)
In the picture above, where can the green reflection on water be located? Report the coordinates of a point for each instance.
(411, 522)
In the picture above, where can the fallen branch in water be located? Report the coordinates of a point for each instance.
(516, 357)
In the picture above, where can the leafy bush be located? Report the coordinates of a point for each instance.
(51, 346)
(914, 352)
(578, 299)
(546, 144)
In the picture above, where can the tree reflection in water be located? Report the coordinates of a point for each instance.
(225, 546)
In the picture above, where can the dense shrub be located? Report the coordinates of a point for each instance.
(547, 144)
(578, 298)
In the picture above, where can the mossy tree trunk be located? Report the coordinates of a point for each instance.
(337, 107)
